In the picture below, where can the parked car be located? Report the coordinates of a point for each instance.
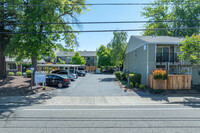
(72, 71)
(81, 72)
(57, 80)
(65, 72)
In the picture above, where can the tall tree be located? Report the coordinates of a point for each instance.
(190, 49)
(77, 59)
(33, 43)
(174, 10)
(8, 16)
(118, 46)
(104, 56)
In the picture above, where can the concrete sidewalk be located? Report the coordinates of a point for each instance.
(48, 99)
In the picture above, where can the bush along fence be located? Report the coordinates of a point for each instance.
(134, 79)
(159, 79)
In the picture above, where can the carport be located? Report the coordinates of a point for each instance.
(68, 66)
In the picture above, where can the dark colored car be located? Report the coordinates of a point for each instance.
(72, 71)
(81, 72)
(57, 80)
(65, 73)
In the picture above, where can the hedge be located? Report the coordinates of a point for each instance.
(11, 74)
(19, 74)
(118, 75)
(135, 78)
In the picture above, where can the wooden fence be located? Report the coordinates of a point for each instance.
(173, 82)
(91, 68)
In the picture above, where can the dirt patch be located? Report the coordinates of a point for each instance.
(19, 86)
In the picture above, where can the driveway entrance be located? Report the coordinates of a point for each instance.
(92, 85)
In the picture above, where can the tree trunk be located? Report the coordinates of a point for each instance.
(118, 64)
(2, 63)
(34, 65)
(3, 43)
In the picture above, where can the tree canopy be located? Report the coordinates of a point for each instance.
(104, 56)
(77, 59)
(8, 16)
(118, 46)
(172, 10)
(190, 49)
(31, 42)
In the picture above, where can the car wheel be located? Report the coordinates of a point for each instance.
(60, 85)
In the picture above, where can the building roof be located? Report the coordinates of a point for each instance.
(71, 53)
(28, 61)
(161, 39)
(139, 41)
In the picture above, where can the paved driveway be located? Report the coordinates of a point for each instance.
(92, 85)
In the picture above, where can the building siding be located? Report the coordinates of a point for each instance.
(151, 58)
(195, 75)
(136, 62)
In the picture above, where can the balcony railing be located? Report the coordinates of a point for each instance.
(172, 57)
(89, 61)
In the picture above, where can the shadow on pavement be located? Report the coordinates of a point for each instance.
(107, 79)
(193, 102)
(10, 103)
(185, 100)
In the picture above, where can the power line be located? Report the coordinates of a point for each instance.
(165, 21)
(87, 31)
(112, 4)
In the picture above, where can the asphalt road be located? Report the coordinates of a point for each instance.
(52, 114)
(99, 119)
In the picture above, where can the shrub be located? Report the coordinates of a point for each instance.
(19, 74)
(135, 78)
(11, 74)
(159, 74)
(123, 77)
(137, 85)
(118, 75)
(142, 86)
(152, 91)
(28, 73)
(131, 84)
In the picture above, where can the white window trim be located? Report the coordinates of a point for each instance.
(11, 69)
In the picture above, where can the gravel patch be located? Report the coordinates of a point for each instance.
(19, 86)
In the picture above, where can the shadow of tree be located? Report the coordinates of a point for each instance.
(193, 102)
(107, 79)
(12, 103)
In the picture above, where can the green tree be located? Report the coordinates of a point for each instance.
(60, 61)
(175, 10)
(8, 16)
(190, 49)
(77, 59)
(118, 46)
(33, 43)
(104, 56)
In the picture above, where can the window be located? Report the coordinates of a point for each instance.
(162, 54)
(12, 66)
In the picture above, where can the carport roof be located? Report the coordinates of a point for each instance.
(59, 65)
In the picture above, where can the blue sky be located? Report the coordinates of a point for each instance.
(91, 41)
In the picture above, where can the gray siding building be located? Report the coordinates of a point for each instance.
(147, 53)
(89, 56)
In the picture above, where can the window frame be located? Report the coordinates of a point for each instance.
(8, 69)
